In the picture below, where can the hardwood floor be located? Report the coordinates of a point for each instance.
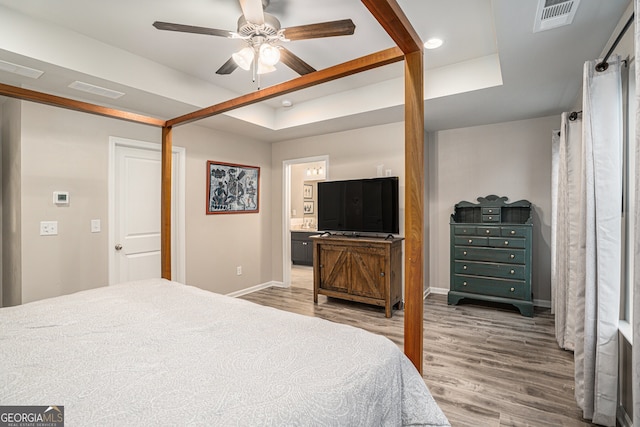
(485, 365)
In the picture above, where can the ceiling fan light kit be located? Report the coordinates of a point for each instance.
(244, 57)
(263, 33)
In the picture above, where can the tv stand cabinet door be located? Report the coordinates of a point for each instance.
(368, 272)
(335, 267)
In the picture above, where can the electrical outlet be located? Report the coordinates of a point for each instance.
(48, 228)
(239, 270)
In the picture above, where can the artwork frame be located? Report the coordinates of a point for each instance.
(307, 207)
(232, 188)
(307, 191)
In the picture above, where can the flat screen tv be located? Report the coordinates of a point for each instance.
(359, 206)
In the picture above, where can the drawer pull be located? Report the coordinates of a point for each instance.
(464, 267)
(490, 218)
(512, 256)
(512, 272)
(464, 253)
(513, 231)
(490, 210)
(470, 240)
(506, 243)
(488, 231)
(464, 283)
(513, 289)
(382, 274)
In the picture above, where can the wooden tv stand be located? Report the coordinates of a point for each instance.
(362, 269)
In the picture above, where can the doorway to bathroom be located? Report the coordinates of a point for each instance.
(301, 177)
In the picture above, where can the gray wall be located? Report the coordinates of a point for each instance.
(11, 204)
(507, 159)
(48, 149)
(352, 154)
(217, 244)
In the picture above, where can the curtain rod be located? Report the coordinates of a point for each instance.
(604, 64)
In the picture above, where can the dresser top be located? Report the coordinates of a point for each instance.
(492, 209)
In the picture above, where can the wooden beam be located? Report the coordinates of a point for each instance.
(390, 15)
(165, 202)
(368, 62)
(414, 207)
(70, 104)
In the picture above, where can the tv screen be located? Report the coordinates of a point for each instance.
(359, 205)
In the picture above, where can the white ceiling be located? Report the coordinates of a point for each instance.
(491, 68)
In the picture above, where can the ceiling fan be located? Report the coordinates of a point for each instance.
(263, 34)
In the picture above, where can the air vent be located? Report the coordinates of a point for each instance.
(554, 13)
(96, 90)
(20, 70)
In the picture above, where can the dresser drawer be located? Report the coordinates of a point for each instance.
(490, 218)
(472, 241)
(494, 287)
(506, 242)
(514, 231)
(490, 211)
(464, 230)
(512, 256)
(490, 269)
(489, 231)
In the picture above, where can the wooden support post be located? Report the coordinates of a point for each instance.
(414, 207)
(165, 201)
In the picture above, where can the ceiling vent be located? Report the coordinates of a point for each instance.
(96, 90)
(20, 70)
(554, 13)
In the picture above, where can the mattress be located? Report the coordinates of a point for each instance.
(156, 352)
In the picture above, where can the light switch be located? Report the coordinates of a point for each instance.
(95, 225)
(48, 228)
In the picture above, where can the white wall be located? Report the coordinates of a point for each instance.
(352, 154)
(507, 159)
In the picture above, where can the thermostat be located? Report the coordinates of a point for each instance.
(61, 198)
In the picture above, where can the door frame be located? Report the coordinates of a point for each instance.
(178, 234)
(286, 209)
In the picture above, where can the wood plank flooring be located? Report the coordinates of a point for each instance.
(485, 365)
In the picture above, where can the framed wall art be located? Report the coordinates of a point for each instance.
(307, 208)
(232, 188)
(307, 191)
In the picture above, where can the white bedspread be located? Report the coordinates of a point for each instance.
(161, 353)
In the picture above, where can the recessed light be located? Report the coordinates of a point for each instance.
(286, 103)
(433, 43)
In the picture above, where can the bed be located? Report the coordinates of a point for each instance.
(156, 352)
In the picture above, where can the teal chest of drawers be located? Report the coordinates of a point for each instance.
(491, 252)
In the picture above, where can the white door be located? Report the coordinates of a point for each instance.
(135, 207)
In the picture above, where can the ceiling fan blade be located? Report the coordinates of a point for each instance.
(228, 67)
(168, 26)
(292, 61)
(344, 27)
(252, 11)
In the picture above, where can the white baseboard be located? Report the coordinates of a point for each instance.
(255, 288)
(544, 303)
(444, 291)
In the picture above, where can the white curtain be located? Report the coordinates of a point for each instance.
(598, 301)
(635, 358)
(566, 236)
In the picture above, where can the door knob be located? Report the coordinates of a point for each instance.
(118, 247)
